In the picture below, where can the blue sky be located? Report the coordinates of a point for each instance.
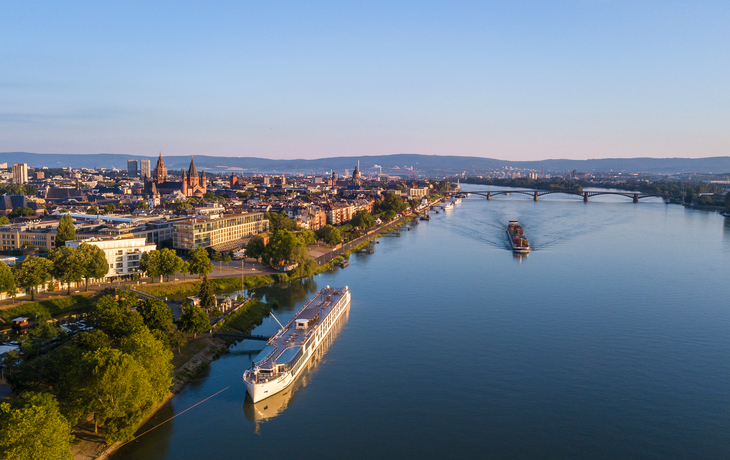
(517, 80)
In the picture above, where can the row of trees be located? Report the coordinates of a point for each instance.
(166, 263)
(66, 264)
(116, 372)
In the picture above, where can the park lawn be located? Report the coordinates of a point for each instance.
(51, 308)
(193, 347)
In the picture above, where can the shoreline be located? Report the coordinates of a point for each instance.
(94, 446)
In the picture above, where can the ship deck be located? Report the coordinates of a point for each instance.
(318, 307)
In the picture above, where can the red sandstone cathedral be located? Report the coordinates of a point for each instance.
(192, 184)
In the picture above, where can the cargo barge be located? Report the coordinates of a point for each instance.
(517, 237)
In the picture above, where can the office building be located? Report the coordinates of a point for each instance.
(223, 233)
(145, 170)
(132, 169)
(20, 173)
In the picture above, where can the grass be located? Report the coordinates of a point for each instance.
(183, 289)
(51, 308)
(248, 316)
(193, 347)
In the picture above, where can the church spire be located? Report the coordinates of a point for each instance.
(192, 171)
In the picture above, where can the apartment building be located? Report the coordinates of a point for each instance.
(122, 254)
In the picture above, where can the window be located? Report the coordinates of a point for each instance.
(121, 265)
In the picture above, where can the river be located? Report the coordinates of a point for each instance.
(610, 340)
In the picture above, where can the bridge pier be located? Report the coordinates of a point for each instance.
(585, 197)
(535, 196)
(636, 197)
(489, 195)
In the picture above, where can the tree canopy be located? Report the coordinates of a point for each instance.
(390, 202)
(199, 262)
(66, 231)
(68, 266)
(22, 211)
(156, 315)
(32, 272)
(7, 280)
(95, 264)
(280, 221)
(255, 247)
(330, 235)
(193, 319)
(207, 296)
(34, 429)
(362, 219)
(284, 248)
(307, 236)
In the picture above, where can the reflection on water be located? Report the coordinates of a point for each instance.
(274, 405)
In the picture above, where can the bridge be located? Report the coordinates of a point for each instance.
(241, 336)
(536, 193)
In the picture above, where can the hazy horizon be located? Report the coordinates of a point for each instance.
(522, 81)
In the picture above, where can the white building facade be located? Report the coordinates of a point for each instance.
(122, 254)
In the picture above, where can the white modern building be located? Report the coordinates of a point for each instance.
(122, 254)
(20, 173)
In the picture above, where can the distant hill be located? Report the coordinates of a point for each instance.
(429, 164)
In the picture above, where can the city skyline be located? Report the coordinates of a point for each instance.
(525, 81)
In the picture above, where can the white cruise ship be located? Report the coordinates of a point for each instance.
(279, 364)
(276, 404)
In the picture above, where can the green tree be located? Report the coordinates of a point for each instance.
(255, 247)
(31, 273)
(284, 248)
(4, 220)
(155, 357)
(110, 315)
(307, 237)
(227, 259)
(117, 391)
(42, 333)
(199, 262)
(207, 295)
(389, 215)
(169, 263)
(362, 219)
(156, 315)
(217, 257)
(7, 280)
(330, 235)
(93, 210)
(23, 211)
(143, 205)
(109, 208)
(280, 221)
(68, 266)
(34, 429)
(194, 320)
(178, 340)
(95, 264)
(65, 231)
(185, 269)
(151, 264)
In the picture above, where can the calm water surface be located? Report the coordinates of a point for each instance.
(610, 340)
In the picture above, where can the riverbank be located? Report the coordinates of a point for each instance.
(190, 362)
(89, 445)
